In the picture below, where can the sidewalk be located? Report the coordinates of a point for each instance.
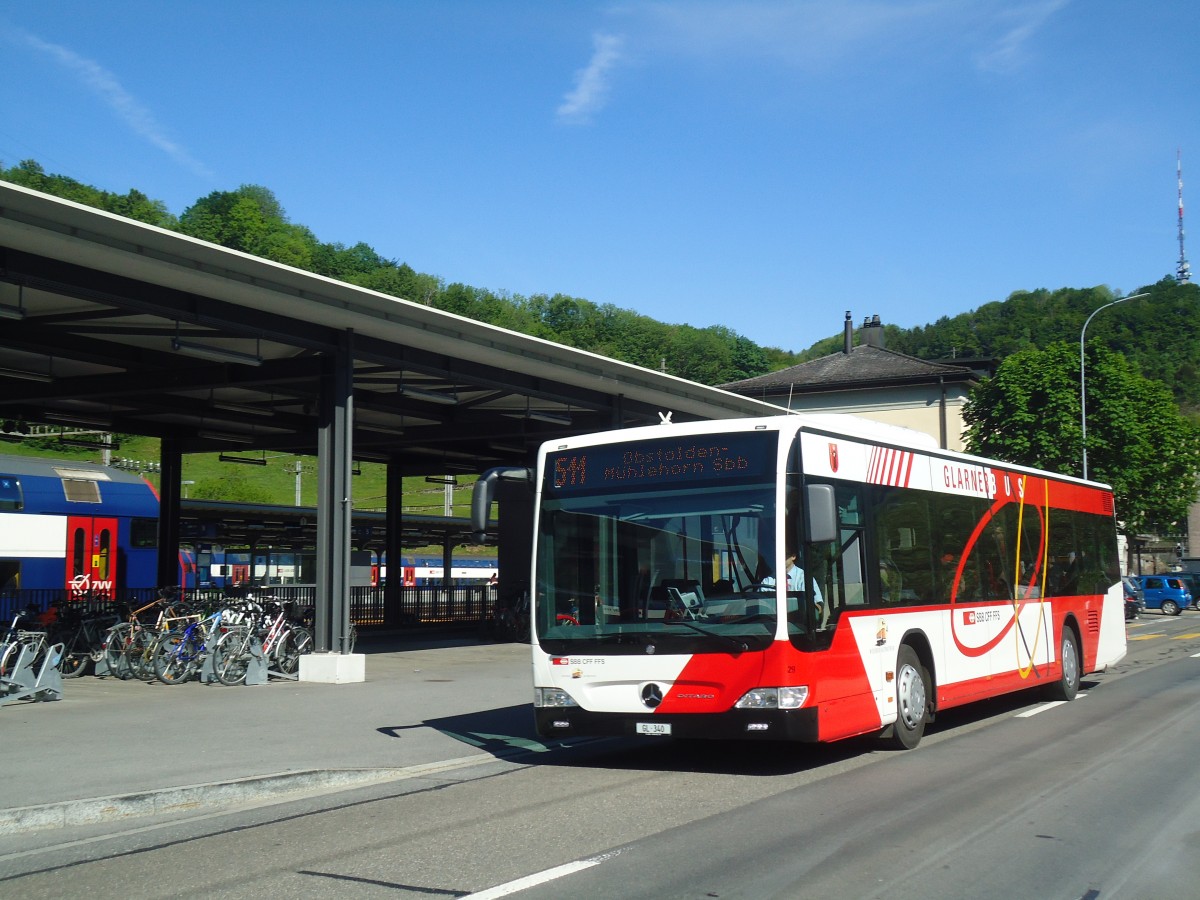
(137, 744)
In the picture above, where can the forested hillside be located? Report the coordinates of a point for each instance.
(1159, 334)
(250, 219)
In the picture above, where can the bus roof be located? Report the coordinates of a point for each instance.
(844, 424)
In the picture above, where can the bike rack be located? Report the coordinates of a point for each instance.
(101, 668)
(25, 684)
(256, 668)
(286, 676)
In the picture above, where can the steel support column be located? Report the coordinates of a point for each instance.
(334, 502)
(393, 586)
(170, 461)
(446, 605)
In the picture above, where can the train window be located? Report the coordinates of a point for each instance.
(81, 490)
(102, 558)
(79, 546)
(11, 497)
(143, 533)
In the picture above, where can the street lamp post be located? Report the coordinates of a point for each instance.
(1082, 374)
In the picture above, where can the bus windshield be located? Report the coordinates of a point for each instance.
(678, 561)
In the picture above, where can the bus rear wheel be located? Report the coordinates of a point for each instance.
(913, 690)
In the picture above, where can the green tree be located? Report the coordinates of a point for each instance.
(136, 205)
(399, 281)
(241, 219)
(1137, 440)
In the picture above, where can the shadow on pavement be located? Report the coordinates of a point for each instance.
(502, 732)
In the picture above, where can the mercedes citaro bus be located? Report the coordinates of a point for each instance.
(804, 578)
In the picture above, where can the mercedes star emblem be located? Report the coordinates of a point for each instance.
(652, 695)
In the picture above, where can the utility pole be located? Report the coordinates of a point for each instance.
(1083, 374)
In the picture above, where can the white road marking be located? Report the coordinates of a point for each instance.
(521, 884)
(1041, 708)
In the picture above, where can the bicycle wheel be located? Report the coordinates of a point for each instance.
(9, 654)
(231, 655)
(141, 654)
(176, 656)
(75, 655)
(295, 644)
(116, 650)
(97, 636)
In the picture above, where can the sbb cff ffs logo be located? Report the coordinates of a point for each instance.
(979, 616)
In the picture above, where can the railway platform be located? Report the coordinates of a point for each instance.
(113, 750)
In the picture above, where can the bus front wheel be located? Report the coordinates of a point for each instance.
(1067, 685)
(913, 689)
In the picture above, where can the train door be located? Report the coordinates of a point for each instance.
(91, 556)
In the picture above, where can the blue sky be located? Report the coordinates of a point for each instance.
(760, 165)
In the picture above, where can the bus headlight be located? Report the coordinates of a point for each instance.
(552, 697)
(773, 698)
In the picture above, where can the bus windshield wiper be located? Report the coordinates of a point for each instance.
(741, 645)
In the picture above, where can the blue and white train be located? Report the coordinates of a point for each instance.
(76, 526)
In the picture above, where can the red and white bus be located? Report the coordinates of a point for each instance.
(925, 579)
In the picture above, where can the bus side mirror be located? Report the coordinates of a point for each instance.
(822, 514)
(485, 490)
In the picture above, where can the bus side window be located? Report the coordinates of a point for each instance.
(891, 580)
(903, 542)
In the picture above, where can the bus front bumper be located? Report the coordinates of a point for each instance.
(736, 724)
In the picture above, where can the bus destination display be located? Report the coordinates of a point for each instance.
(691, 460)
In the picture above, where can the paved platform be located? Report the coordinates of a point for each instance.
(115, 749)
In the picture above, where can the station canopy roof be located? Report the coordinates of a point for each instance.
(111, 324)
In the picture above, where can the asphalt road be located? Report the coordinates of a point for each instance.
(1094, 799)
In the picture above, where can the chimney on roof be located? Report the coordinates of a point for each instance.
(872, 332)
(849, 332)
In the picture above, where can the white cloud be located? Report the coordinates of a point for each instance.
(591, 83)
(803, 33)
(821, 38)
(829, 36)
(105, 84)
(1009, 51)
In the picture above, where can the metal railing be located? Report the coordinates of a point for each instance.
(418, 607)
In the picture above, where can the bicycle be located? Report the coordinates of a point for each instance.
(19, 635)
(308, 620)
(235, 649)
(129, 645)
(180, 652)
(282, 642)
(512, 620)
(82, 633)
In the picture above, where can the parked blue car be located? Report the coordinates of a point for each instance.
(1167, 593)
(1191, 581)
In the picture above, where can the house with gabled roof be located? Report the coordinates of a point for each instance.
(868, 380)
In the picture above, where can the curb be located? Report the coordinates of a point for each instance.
(197, 797)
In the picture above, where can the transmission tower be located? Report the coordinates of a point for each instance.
(1183, 272)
